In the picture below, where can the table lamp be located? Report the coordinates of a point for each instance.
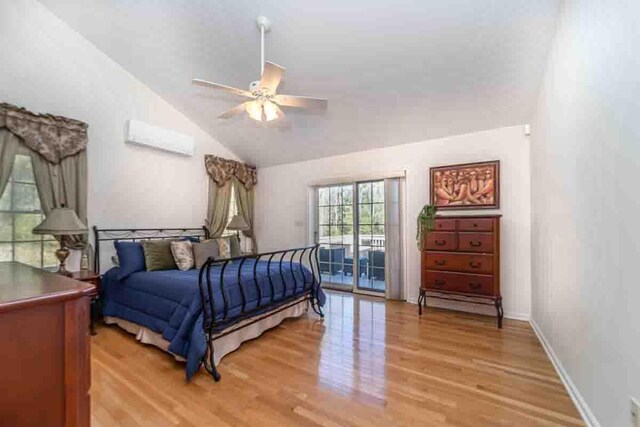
(238, 224)
(61, 222)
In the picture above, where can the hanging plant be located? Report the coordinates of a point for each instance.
(426, 223)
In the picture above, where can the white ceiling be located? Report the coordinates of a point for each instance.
(394, 71)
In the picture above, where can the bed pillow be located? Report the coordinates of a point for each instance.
(224, 247)
(130, 258)
(203, 250)
(235, 246)
(182, 252)
(158, 256)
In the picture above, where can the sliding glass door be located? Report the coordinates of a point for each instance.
(335, 232)
(371, 237)
(350, 231)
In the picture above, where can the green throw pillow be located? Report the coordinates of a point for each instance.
(157, 255)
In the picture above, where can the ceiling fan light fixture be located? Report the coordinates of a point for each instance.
(254, 109)
(270, 110)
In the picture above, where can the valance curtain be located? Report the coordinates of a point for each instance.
(57, 147)
(222, 173)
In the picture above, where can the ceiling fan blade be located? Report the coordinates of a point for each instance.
(238, 109)
(301, 102)
(212, 85)
(271, 76)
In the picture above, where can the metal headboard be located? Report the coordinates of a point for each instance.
(136, 234)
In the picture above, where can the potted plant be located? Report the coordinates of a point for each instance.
(426, 223)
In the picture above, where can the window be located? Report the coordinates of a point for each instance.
(20, 212)
(233, 207)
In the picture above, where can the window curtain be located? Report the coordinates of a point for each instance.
(218, 208)
(63, 184)
(245, 201)
(57, 147)
(393, 238)
(222, 173)
(9, 145)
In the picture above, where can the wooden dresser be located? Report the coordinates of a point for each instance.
(44, 348)
(461, 261)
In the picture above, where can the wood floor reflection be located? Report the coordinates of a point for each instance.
(370, 362)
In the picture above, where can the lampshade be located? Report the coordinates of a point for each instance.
(262, 110)
(237, 223)
(254, 108)
(270, 111)
(61, 221)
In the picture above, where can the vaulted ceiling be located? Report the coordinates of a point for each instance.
(394, 71)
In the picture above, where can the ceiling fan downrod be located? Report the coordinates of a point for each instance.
(264, 25)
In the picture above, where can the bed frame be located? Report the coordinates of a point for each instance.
(213, 329)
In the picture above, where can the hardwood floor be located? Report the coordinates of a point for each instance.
(370, 362)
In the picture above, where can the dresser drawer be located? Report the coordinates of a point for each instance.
(482, 264)
(442, 224)
(476, 242)
(442, 241)
(475, 224)
(474, 284)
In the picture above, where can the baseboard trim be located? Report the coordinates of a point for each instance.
(507, 314)
(586, 413)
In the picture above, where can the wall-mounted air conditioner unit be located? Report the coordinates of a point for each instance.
(163, 139)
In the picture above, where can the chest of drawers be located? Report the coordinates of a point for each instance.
(461, 261)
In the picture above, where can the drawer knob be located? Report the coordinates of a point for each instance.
(441, 242)
(475, 243)
(475, 224)
(475, 285)
(475, 264)
(440, 282)
(440, 262)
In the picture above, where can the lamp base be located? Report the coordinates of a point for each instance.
(62, 253)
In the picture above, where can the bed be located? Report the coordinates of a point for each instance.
(200, 315)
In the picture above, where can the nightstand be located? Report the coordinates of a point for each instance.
(92, 277)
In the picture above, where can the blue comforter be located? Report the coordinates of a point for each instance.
(168, 302)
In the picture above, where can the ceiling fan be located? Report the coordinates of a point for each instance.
(264, 103)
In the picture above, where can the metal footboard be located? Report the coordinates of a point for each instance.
(214, 321)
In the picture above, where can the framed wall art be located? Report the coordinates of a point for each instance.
(466, 186)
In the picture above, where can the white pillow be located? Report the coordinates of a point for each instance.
(224, 247)
(182, 252)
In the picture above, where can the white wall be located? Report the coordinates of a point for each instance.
(47, 67)
(585, 155)
(281, 199)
